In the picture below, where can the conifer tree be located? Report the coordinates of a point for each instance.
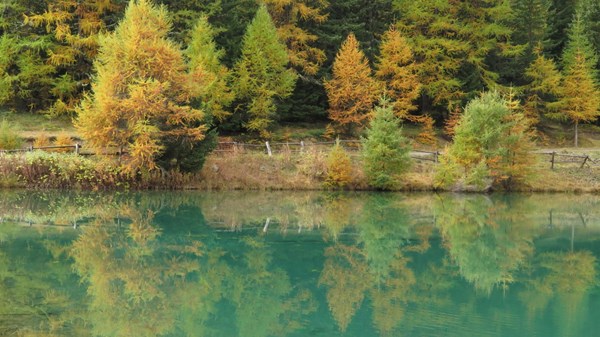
(543, 90)
(204, 62)
(490, 147)
(288, 15)
(397, 69)
(452, 42)
(262, 76)
(385, 150)
(74, 27)
(352, 90)
(581, 95)
(339, 167)
(141, 94)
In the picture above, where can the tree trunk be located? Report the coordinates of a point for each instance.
(576, 134)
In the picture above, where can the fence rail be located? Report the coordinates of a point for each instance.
(301, 146)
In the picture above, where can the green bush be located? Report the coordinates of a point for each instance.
(9, 138)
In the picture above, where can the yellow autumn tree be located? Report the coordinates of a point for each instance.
(580, 92)
(75, 27)
(352, 90)
(287, 16)
(141, 94)
(397, 69)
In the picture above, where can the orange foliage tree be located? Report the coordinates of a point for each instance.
(141, 97)
(352, 90)
(397, 69)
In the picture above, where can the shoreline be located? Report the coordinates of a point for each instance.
(255, 172)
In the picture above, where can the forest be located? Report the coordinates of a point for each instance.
(153, 76)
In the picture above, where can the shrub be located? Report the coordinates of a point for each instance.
(339, 167)
(9, 139)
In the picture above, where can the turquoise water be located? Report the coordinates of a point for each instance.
(298, 264)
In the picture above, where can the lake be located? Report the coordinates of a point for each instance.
(298, 264)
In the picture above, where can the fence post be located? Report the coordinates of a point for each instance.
(584, 161)
(301, 146)
(437, 156)
(235, 147)
(552, 160)
(30, 148)
(268, 149)
(77, 148)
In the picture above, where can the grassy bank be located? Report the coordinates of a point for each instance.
(249, 171)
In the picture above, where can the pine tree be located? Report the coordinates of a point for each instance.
(352, 90)
(590, 15)
(543, 90)
(581, 95)
(288, 16)
(385, 150)
(141, 94)
(210, 77)
(397, 69)
(261, 74)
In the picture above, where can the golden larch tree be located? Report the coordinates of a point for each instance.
(581, 96)
(397, 69)
(141, 93)
(352, 90)
(287, 16)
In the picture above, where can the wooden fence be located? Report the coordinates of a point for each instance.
(353, 146)
(269, 148)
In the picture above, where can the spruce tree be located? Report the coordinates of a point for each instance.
(210, 78)
(385, 150)
(581, 95)
(262, 76)
(141, 95)
(352, 90)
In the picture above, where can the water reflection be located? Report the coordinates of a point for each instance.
(297, 264)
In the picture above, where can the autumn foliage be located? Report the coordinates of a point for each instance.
(352, 90)
(141, 97)
(397, 69)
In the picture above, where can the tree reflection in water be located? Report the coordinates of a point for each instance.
(277, 264)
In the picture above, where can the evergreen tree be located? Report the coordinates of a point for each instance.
(490, 148)
(351, 90)
(204, 61)
(581, 95)
(385, 150)
(590, 15)
(141, 94)
(529, 24)
(261, 74)
(561, 16)
(543, 91)
(397, 69)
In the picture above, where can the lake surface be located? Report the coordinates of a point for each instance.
(298, 264)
